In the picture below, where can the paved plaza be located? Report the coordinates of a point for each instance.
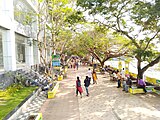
(106, 101)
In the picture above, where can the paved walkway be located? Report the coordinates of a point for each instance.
(34, 106)
(106, 102)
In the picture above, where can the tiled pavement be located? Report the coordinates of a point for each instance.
(34, 107)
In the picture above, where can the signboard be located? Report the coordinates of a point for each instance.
(56, 60)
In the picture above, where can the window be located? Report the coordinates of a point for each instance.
(20, 49)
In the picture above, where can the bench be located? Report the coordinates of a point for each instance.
(135, 90)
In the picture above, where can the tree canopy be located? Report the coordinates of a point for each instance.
(138, 20)
(118, 25)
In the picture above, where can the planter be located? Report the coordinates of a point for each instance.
(52, 93)
(60, 77)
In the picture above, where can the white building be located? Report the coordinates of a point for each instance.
(18, 27)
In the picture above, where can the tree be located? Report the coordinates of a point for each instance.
(137, 20)
(62, 19)
(54, 20)
(101, 44)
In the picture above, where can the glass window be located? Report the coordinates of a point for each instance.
(1, 51)
(20, 49)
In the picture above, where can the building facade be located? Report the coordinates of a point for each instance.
(18, 29)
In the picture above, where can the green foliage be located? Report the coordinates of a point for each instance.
(138, 20)
(99, 42)
(11, 90)
(147, 55)
(145, 14)
(20, 79)
(25, 18)
(75, 18)
(61, 17)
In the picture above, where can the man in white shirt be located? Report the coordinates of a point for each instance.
(89, 74)
(123, 73)
(123, 78)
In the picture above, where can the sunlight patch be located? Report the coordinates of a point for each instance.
(145, 111)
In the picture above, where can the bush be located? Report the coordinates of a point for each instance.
(13, 89)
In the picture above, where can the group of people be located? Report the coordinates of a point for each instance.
(126, 80)
(121, 77)
(74, 63)
(87, 81)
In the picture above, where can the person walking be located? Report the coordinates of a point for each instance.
(94, 76)
(86, 84)
(78, 87)
(74, 64)
(89, 74)
(77, 63)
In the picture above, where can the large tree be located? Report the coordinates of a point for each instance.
(138, 20)
(61, 24)
(101, 44)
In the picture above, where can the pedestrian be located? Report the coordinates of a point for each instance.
(74, 63)
(71, 63)
(78, 87)
(86, 84)
(77, 62)
(94, 76)
(89, 74)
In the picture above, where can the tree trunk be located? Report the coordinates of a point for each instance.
(140, 71)
(140, 74)
(102, 64)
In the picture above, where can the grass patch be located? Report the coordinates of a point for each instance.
(9, 101)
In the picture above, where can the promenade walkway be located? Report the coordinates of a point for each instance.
(106, 102)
